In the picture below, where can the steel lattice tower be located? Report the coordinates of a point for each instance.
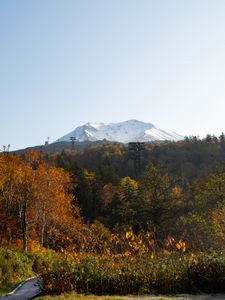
(135, 149)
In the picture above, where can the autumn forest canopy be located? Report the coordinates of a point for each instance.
(97, 203)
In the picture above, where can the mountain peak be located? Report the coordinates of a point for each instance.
(123, 132)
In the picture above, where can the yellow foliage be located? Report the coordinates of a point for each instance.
(127, 253)
(181, 246)
(170, 241)
(166, 252)
(130, 235)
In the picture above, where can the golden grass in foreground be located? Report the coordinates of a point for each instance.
(74, 296)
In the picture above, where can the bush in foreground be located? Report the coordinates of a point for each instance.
(127, 275)
(14, 266)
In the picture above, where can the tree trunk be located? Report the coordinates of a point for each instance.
(24, 225)
(42, 230)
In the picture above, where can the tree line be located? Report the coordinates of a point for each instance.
(63, 199)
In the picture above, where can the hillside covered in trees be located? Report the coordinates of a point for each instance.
(178, 184)
(97, 210)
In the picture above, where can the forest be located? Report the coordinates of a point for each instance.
(92, 222)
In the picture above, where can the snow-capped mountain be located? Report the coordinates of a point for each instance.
(123, 132)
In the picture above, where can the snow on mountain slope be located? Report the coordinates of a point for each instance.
(123, 132)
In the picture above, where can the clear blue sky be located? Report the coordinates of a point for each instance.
(66, 62)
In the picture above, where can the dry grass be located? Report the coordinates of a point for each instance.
(177, 297)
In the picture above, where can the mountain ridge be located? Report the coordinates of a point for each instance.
(122, 132)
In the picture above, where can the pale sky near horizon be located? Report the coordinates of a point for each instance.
(67, 62)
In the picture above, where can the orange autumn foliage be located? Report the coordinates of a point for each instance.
(35, 201)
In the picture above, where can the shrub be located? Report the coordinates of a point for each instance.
(128, 275)
(14, 266)
(207, 274)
